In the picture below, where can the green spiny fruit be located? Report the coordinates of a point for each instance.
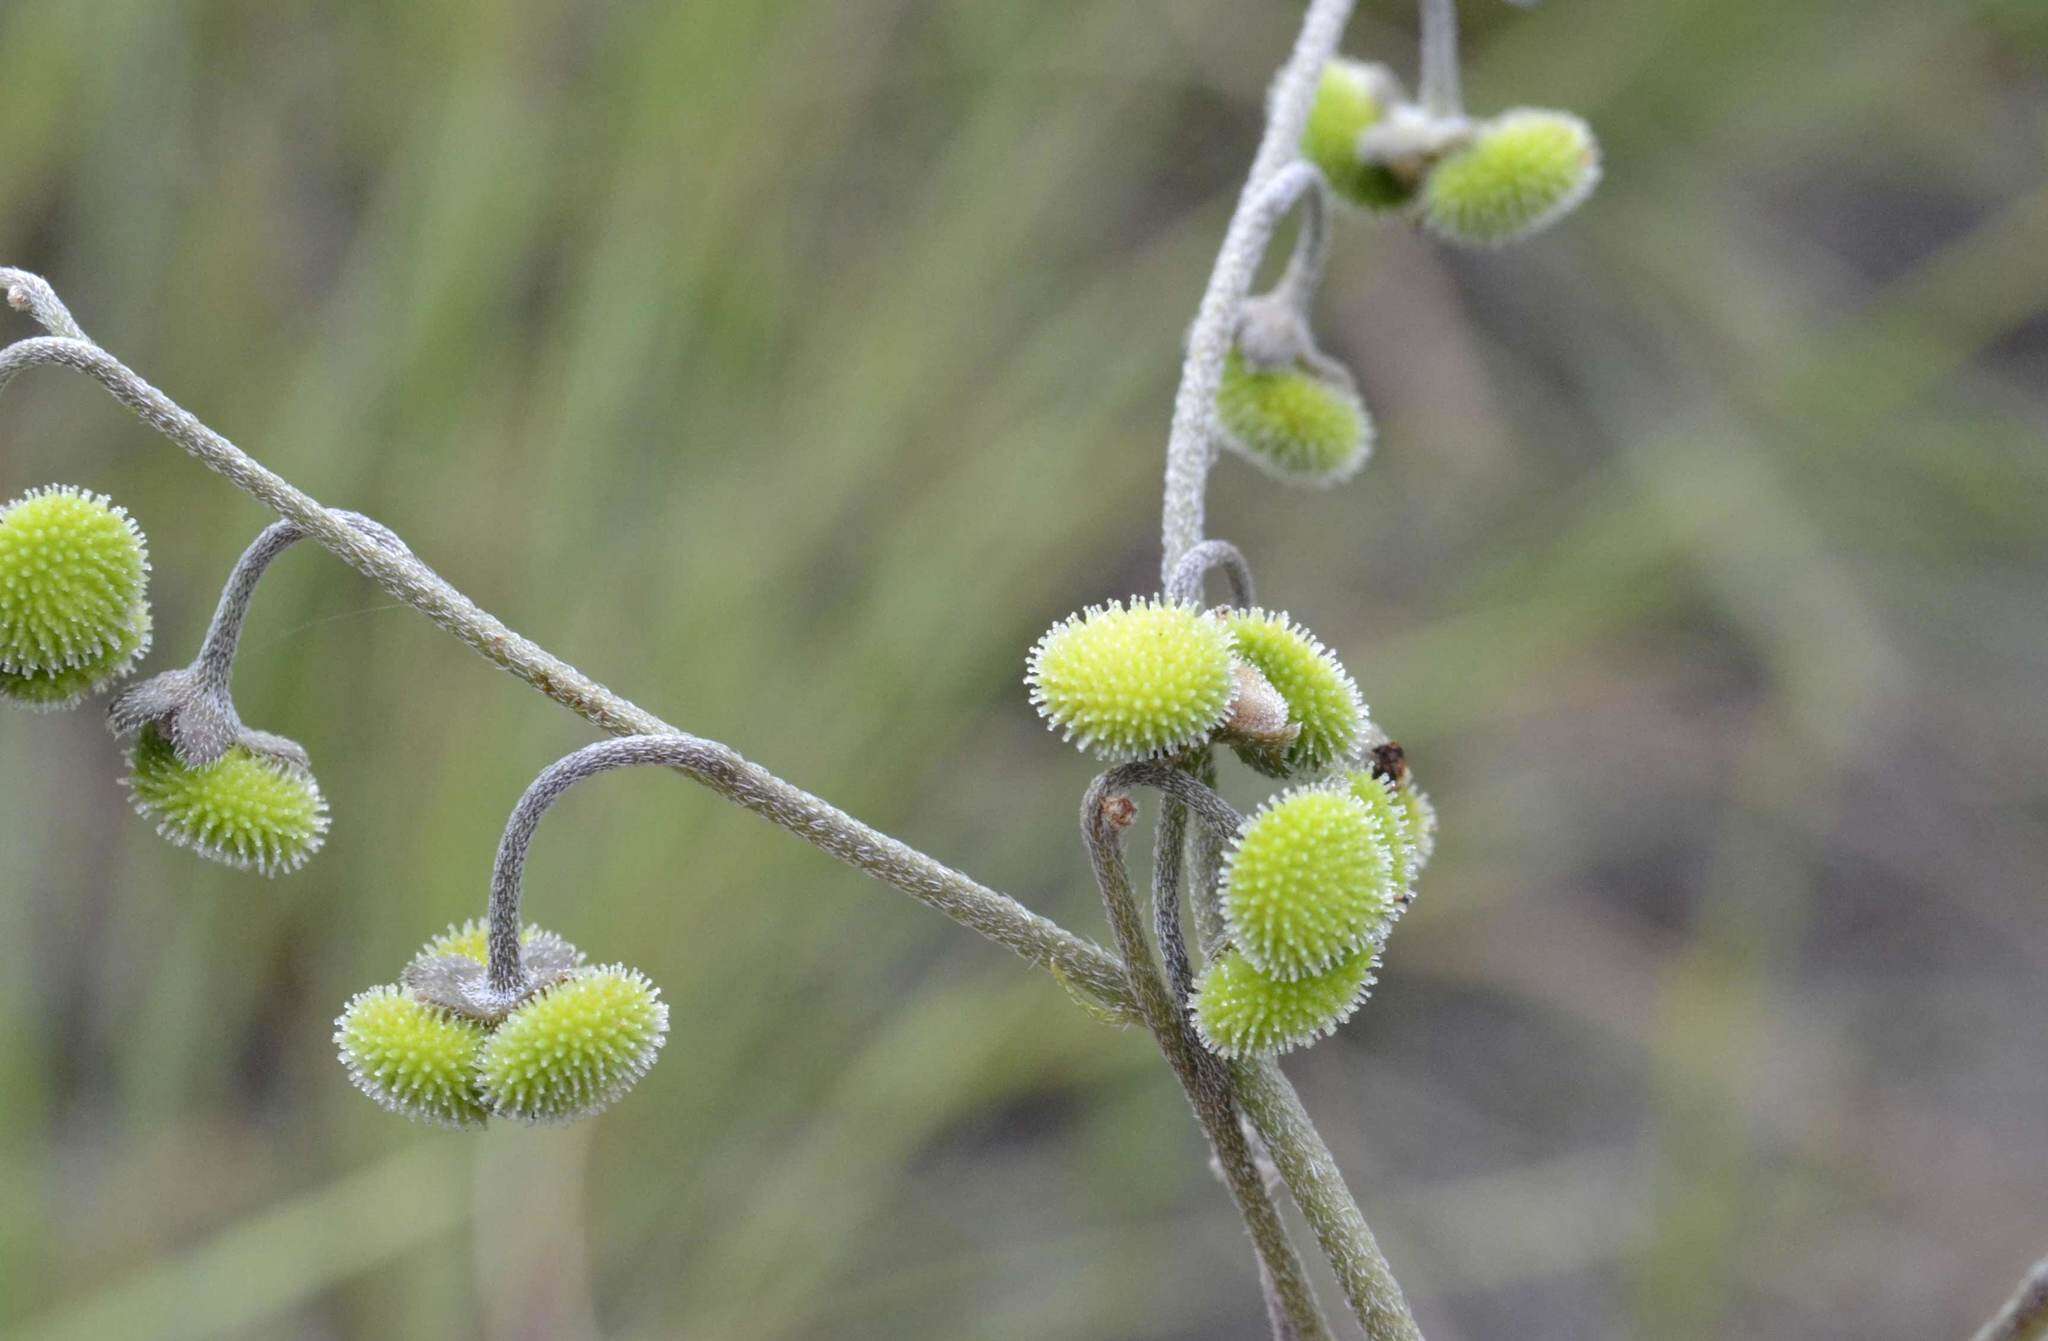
(1352, 97)
(1130, 683)
(1292, 423)
(1380, 796)
(412, 1058)
(1309, 880)
(1241, 1012)
(53, 690)
(1523, 171)
(73, 571)
(244, 809)
(574, 1049)
(1322, 699)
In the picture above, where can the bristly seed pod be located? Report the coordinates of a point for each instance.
(1352, 98)
(1241, 1012)
(1130, 683)
(1322, 698)
(1309, 880)
(74, 584)
(1297, 424)
(53, 691)
(574, 1049)
(414, 1059)
(1523, 171)
(245, 809)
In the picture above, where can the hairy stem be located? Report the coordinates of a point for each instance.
(1081, 964)
(216, 663)
(1276, 180)
(1188, 577)
(2025, 1315)
(1439, 88)
(1106, 815)
(1318, 1188)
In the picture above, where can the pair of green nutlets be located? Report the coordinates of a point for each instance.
(1318, 875)
(74, 619)
(1483, 183)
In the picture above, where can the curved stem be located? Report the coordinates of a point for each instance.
(1106, 815)
(1186, 583)
(1311, 254)
(1081, 964)
(2025, 1315)
(216, 661)
(1191, 443)
(1439, 86)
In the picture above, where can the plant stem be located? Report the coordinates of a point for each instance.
(1439, 87)
(1079, 963)
(1191, 444)
(1106, 815)
(2025, 1315)
(1318, 1188)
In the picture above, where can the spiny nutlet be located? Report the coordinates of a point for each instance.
(1407, 821)
(1353, 97)
(1133, 682)
(1523, 171)
(1322, 698)
(1293, 422)
(245, 809)
(74, 584)
(574, 1049)
(56, 690)
(1240, 1011)
(411, 1057)
(1309, 880)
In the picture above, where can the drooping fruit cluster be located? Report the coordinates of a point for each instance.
(1317, 879)
(246, 809)
(577, 1039)
(1158, 678)
(74, 585)
(1480, 184)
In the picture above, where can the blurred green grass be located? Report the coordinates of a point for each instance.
(789, 366)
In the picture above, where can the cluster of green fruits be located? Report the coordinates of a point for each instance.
(1317, 877)
(1482, 183)
(74, 620)
(573, 1047)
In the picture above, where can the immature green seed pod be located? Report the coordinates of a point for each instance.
(1131, 683)
(1241, 1012)
(574, 1049)
(54, 690)
(1403, 816)
(1309, 880)
(1353, 97)
(1322, 698)
(1523, 171)
(245, 809)
(1294, 423)
(74, 572)
(412, 1058)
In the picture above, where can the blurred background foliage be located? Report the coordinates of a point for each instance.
(789, 365)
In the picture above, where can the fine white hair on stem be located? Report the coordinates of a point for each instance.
(2024, 1316)
(1205, 558)
(1439, 86)
(1191, 442)
(1079, 963)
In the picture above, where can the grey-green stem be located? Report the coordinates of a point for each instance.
(1440, 88)
(1080, 964)
(1276, 180)
(1106, 816)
